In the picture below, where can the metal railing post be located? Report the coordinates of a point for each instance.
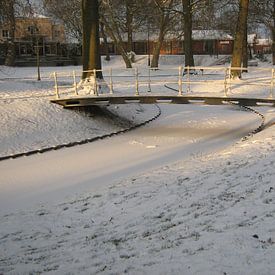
(95, 84)
(137, 84)
(56, 85)
(225, 81)
(75, 85)
(149, 80)
(111, 82)
(180, 81)
(229, 75)
(272, 83)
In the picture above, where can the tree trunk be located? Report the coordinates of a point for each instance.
(187, 11)
(273, 35)
(129, 25)
(118, 42)
(10, 57)
(105, 42)
(91, 45)
(273, 45)
(9, 10)
(250, 52)
(164, 21)
(239, 38)
(157, 48)
(245, 53)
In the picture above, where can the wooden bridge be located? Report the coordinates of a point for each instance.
(91, 91)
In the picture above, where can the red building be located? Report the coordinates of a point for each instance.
(204, 42)
(259, 45)
(262, 46)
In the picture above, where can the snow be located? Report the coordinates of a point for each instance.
(210, 35)
(251, 38)
(29, 121)
(264, 41)
(183, 195)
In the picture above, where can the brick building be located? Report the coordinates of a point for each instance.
(259, 45)
(34, 32)
(204, 42)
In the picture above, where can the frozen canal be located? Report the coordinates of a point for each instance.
(181, 132)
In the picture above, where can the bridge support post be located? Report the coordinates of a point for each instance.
(136, 75)
(180, 81)
(272, 83)
(56, 85)
(229, 75)
(111, 82)
(74, 84)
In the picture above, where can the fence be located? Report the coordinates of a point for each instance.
(182, 79)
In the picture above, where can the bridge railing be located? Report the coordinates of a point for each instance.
(181, 79)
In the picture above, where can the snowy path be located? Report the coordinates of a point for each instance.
(181, 132)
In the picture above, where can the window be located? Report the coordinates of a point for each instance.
(25, 49)
(47, 49)
(57, 34)
(5, 33)
(33, 29)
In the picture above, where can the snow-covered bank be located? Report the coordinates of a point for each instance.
(34, 123)
(30, 122)
(212, 214)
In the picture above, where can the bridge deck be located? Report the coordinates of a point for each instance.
(151, 99)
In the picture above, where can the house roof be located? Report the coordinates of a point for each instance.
(37, 15)
(33, 16)
(210, 35)
(264, 41)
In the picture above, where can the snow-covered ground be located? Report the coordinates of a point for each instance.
(30, 122)
(183, 195)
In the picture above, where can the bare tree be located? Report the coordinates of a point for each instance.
(7, 17)
(187, 15)
(163, 18)
(273, 33)
(237, 56)
(105, 42)
(263, 12)
(113, 28)
(245, 49)
(226, 15)
(90, 45)
(68, 13)
(194, 12)
(129, 24)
